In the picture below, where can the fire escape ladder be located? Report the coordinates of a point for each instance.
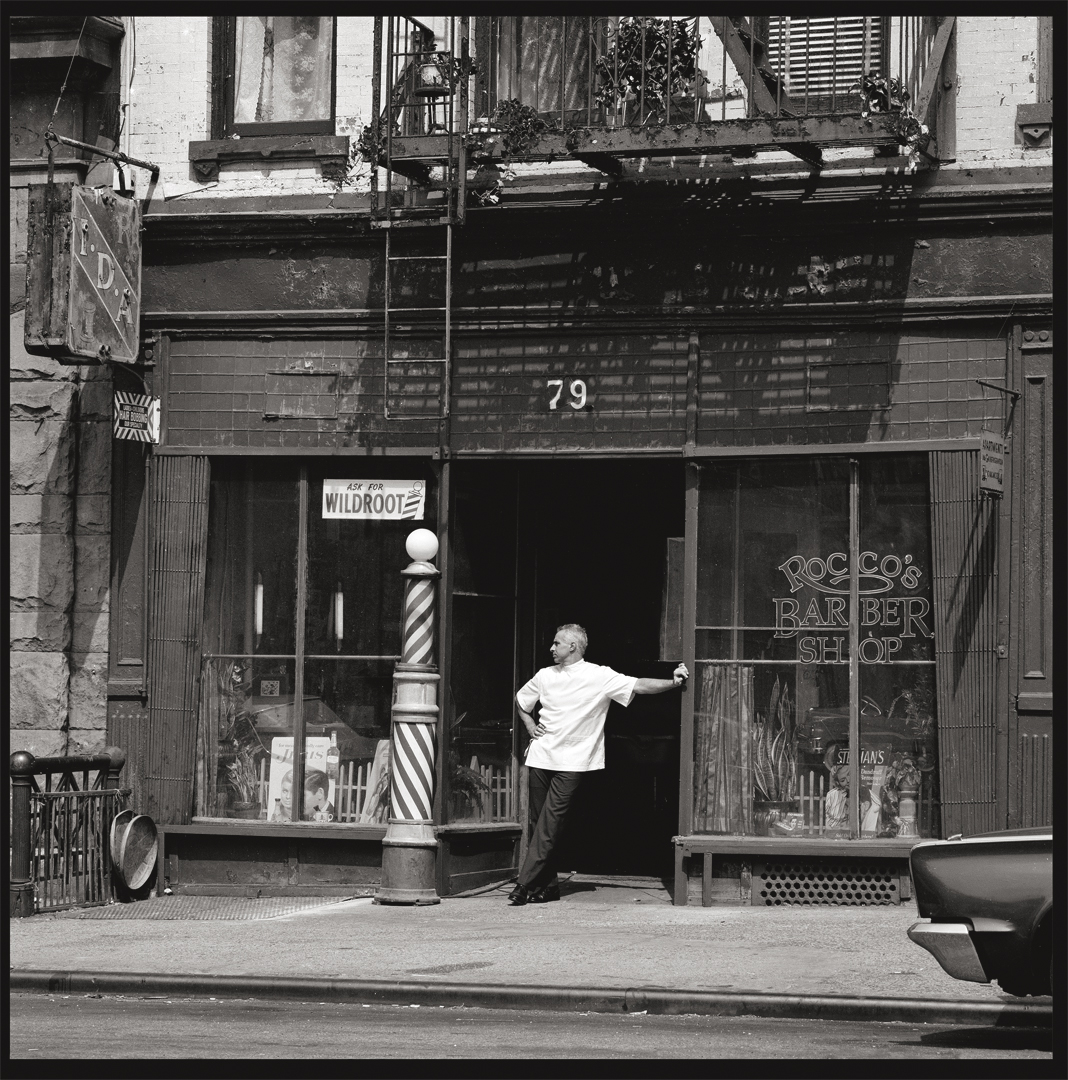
(420, 101)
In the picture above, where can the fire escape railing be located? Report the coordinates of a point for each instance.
(608, 71)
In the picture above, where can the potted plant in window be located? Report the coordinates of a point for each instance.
(244, 778)
(774, 763)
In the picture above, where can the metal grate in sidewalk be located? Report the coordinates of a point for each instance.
(201, 908)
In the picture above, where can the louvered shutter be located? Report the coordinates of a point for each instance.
(964, 543)
(818, 58)
(179, 532)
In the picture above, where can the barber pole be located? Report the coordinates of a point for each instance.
(409, 849)
(418, 648)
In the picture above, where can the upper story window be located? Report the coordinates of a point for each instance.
(277, 75)
(823, 58)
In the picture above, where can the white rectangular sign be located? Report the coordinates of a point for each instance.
(390, 500)
(992, 463)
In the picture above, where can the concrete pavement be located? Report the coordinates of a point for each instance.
(604, 946)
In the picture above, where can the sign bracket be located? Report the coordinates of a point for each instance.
(50, 136)
(1014, 394)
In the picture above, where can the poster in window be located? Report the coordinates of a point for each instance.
(320, 793)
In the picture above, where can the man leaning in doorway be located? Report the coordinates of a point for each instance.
(567, 741)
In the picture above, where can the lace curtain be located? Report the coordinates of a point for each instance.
(283, 69)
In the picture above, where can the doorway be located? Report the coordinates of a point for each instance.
(572, 541)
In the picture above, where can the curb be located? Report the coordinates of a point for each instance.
(556, 999)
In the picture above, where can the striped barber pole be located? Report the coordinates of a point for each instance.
(419, 621)
(412, 777)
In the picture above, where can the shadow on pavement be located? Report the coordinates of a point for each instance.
(992, 1038)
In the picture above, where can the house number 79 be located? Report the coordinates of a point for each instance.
(577, 389)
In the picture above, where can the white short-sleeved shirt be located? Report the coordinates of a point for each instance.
(574, 703)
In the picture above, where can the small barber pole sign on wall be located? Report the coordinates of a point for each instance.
(136, 417)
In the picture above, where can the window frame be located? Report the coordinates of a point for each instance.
(224, 65)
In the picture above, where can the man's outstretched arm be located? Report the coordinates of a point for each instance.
(658, 686)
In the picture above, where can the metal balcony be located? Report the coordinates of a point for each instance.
(602, 90)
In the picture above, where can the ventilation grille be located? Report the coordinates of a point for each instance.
(817, 881)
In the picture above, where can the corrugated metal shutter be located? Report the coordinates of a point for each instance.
(964, 537)
(179, 550)
(819, 57)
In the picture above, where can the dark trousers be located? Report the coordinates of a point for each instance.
(550, 794)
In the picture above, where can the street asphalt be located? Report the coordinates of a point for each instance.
(604, 947)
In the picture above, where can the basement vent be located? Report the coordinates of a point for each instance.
(815, 881)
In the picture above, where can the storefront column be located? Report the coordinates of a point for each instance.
(409, 849)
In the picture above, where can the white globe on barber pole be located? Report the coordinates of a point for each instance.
(421, 545)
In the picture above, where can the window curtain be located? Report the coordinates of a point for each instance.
(723, 775)
(282, 69)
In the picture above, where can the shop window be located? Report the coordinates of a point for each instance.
(275, 75)
(774, 639)
(302, 631)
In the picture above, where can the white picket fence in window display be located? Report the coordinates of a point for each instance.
(353, 790)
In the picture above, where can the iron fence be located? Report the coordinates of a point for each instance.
(61, 829)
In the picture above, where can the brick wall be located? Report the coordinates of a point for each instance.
(170, 101)
(996, 62)
(170, 96)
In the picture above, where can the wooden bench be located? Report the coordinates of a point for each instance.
(761, 848)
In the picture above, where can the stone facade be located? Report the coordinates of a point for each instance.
(60, 552)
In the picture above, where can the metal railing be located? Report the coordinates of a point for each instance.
(60, 833)
(612, 71)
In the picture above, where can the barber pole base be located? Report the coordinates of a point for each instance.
(409, 849)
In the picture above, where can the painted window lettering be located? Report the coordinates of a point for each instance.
(906, 615)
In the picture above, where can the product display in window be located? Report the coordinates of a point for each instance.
(332, 696)
(772, 753)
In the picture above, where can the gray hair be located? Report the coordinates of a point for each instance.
(576, 633)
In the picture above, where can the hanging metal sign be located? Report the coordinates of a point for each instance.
(382, 500)
(83, 279)
(136, 417)
(992, 463)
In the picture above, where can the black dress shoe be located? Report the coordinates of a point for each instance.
(545, 894)
(519, 895)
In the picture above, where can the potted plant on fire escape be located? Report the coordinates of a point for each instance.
(649, 63)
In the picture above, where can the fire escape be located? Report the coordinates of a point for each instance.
(621, 95)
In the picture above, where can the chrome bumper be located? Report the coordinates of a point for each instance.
(951, 945)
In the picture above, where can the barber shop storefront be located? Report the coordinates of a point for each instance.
(808, 507)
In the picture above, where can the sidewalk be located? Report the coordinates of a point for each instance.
(604, 946)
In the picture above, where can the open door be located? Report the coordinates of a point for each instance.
(600, 532)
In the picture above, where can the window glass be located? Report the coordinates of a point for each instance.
(283, 69)
(771, 737)
(481, 768)
(354, 596)
(268, 692)
(899, 794)
(248, 676)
